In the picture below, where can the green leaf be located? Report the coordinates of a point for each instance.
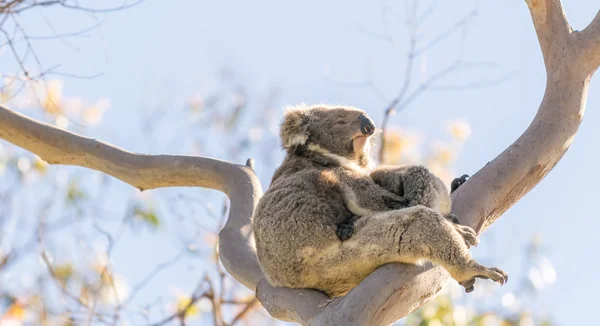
(64, 272)
(148, 216)
(74, 193)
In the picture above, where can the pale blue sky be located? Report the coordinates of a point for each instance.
(161, 50)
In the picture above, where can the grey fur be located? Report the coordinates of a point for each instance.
(416, 185)
(325, 181)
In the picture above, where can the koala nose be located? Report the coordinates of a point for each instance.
(367, 126)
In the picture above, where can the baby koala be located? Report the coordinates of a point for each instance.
(416, 185)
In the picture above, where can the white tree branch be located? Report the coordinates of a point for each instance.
(238, 182)
(590, 39)
(393, 290)
(550, 23)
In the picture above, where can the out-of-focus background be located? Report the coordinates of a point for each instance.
(211, 78)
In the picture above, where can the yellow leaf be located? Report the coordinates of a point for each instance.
(148, 216)
(93, 115)
(184, 304)
(459, 129)
(64, 272)
(397, 144)
(74, 192)
(40, 165)
(443, 153)
(86, 293)
(52, 102)
(5, 94)
(15, 311)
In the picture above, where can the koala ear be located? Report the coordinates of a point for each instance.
(294, 128)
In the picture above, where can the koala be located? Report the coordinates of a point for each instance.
(325, 180)
(416, 185)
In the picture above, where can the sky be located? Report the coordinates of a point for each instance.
(158, 52)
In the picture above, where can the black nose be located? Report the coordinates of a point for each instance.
(367, 126)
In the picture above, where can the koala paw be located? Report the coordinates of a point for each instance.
(482, 272)
(344, 231)
(457, 182)
(468, 234)
(494, 273)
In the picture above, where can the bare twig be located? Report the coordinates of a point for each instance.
(247, 308)
(62, 287)
(181, 312)
(157, 269)
(65, 4)
(390, 109)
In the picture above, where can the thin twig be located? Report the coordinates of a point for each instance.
(244, 311)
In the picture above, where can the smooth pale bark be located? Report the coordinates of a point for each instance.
(393, 290)
(238, 182)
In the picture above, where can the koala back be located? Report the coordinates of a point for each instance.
(297, 214)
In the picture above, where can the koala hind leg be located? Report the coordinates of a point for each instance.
(418, 233)
(468, 234)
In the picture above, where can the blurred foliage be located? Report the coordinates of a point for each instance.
(148, 216)
(84, 285)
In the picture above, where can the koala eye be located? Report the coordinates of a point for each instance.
(341, 123)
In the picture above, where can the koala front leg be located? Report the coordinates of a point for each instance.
(416, 233)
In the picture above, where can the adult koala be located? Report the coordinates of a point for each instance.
(324, 181)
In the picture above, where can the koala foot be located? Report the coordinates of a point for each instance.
(494, 273)
(457, 182)
(344, 231)
(468, 235)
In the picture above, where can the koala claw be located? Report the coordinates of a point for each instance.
(494, 273)
(468, 235)
(457, 182)
(344, 231)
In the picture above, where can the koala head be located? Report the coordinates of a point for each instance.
(342, 133)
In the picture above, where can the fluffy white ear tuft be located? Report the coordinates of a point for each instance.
(293, 129)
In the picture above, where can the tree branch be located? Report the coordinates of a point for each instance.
(238, 182)
(551, 25)
(590, 39)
